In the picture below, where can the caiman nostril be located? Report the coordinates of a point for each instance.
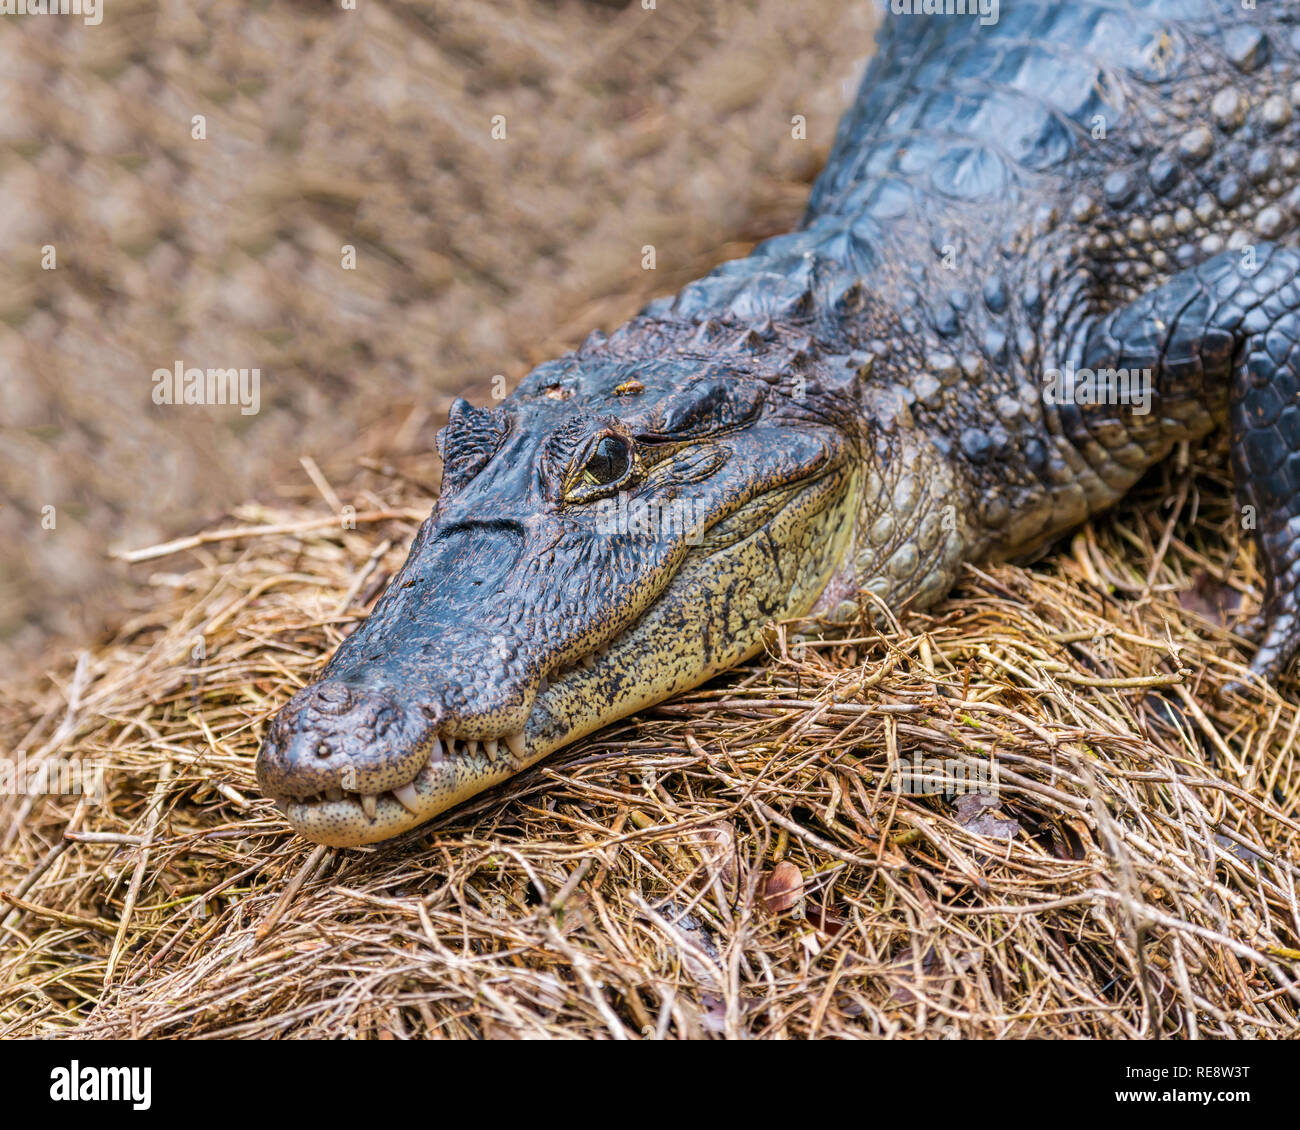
(322, 749)
(332, 698)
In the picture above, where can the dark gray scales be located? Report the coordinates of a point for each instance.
(1002, 201)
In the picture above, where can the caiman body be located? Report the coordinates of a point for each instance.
(844, 417)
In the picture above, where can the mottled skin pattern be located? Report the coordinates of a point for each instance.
(858, 407)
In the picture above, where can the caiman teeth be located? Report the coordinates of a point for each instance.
(408, 798)
(440, 747)
(588, 661)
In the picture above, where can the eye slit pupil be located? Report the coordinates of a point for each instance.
(609, 462)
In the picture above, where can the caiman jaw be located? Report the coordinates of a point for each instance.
(386, 784)
(452, 770)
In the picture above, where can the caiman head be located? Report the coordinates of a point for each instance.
(620, 529)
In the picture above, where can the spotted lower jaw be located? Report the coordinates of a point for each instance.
(454, 771)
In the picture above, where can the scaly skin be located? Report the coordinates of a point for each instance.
(857, 407)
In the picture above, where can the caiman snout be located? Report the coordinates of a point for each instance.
(355, 763)
(333, 737)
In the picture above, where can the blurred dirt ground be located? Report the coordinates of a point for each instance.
(325, 128)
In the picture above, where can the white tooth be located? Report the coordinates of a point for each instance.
(408, 798)
(435, 753)
(471, 746)
(603, 650)
(516, 743)
(490, 747)
(589, 661)
(370, 803)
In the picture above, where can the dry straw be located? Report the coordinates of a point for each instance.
(734, 863)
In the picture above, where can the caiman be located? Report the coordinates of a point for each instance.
(1052, 241)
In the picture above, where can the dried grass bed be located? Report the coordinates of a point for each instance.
(732, 863)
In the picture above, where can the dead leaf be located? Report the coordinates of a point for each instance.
(716, 846)
(784, 888)
(1210, 598)
(979, 814)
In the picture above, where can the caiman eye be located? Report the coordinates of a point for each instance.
(608, 462)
